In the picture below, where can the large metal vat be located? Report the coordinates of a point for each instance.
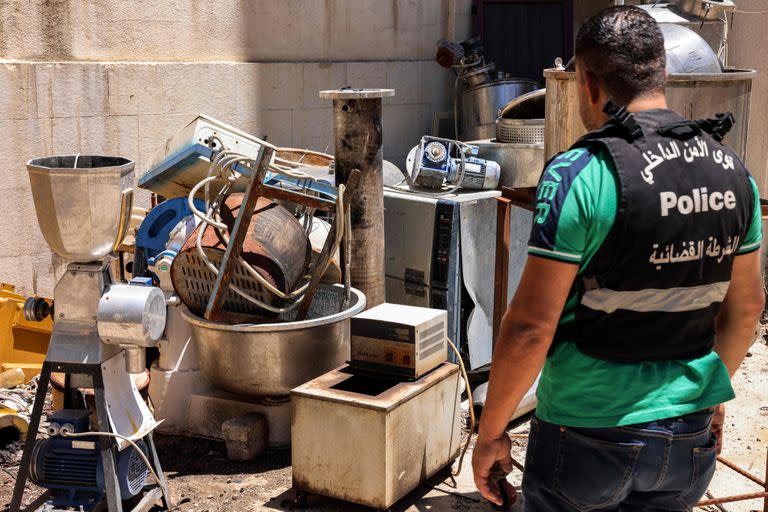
(260, 360)
(521, 164)
(481, 103)
(693, 95)
(83, 203)
(687, 51)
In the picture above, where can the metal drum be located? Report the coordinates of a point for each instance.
(687, 51)
(83, 203)
(480, 104)
(276, 246)
(521, 164)
(260, 360)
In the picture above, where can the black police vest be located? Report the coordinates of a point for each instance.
(654, 287)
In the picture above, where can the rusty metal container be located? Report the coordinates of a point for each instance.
(372, 441)
(276, 246)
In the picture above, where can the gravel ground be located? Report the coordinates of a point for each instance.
(202, 479)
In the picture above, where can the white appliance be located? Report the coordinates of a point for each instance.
(440, 253)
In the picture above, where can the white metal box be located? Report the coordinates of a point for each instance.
(373, 446)
(440, 253)
(184, 160)
(401, 340)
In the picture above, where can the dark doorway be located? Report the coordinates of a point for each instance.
(523, 37)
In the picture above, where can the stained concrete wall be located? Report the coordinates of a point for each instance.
(121, 76)
(233, 30)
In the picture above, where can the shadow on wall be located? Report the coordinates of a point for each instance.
(360, 43)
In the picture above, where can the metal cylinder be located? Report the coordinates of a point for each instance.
(131, 314)
(481, 103)
(521, 164)
(135, 359)
(358, 142)
(687, 51)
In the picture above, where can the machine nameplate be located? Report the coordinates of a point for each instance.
(83, 445)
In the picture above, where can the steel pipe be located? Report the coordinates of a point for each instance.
(358, 142)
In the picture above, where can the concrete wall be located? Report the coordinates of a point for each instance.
(236, 30)
(121, 76)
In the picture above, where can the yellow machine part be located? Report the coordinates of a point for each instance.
(10, 419)
(23, 343)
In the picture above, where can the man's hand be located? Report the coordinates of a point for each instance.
(717, 426)
(521, 349)
(486, 453)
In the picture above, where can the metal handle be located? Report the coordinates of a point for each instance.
(126, 202)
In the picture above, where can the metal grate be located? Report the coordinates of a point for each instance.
(520, 131)
(137, 471)
(193, 281)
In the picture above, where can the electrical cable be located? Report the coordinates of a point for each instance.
(751, 12)
(222, 169)
(456, 108)
(471, 408)
(129, 441)
(472, 420)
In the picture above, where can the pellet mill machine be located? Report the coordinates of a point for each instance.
(100, 455)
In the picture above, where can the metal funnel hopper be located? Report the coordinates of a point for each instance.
(83, 203)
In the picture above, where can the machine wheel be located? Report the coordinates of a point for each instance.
(300, 500)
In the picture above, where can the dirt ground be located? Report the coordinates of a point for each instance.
(203, 480)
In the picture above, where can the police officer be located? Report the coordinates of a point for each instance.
(639, 298)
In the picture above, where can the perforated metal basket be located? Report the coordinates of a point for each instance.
(520, 131)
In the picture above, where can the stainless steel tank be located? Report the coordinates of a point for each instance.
(687, 51)
(521, 164)
(260, 360)
(481, 103)
(693, 95)
(83, 203)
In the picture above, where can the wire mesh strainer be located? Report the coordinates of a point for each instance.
(520, 131)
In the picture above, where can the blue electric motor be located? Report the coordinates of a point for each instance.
(71, 467)
(155, 230)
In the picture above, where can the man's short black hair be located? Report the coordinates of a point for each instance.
(624, 48)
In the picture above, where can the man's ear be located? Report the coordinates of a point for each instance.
(592, 85)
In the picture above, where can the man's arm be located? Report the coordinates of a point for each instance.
(736, 322)
(740, 311)
(521, 349)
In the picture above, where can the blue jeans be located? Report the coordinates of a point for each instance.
(662, 465)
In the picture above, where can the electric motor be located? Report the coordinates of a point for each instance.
(437, 162)
(72, 467)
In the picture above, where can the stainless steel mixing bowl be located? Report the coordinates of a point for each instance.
(83, 203)
(271, 359)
